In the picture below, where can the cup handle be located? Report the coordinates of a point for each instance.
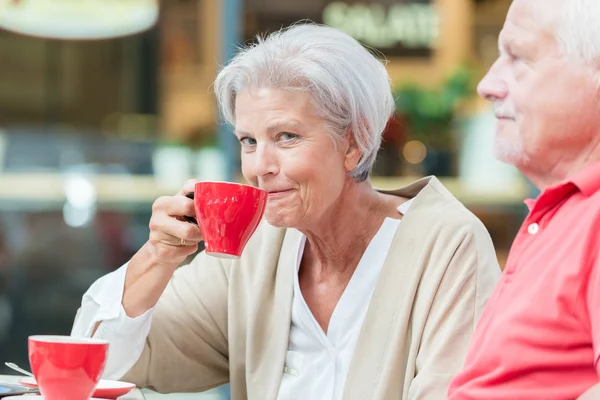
(191, 220)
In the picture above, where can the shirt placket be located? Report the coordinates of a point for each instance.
(533, 226)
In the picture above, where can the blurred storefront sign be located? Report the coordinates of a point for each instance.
(397, 28)
(401, 29)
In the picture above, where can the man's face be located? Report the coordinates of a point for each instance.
(545, 101)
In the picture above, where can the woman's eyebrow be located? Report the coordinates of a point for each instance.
(284, 124)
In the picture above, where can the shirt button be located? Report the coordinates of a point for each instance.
(533, 228)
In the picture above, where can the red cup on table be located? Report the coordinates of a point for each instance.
(65, 367)
(227, 214)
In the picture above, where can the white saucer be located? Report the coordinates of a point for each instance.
(105, 389)
(38, 397)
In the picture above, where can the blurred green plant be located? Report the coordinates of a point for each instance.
(200, 136)
(429, 113)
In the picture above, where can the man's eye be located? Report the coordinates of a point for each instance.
(514, 58)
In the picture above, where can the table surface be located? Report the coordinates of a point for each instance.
(135, 394)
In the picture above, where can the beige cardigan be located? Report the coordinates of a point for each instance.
(225, 321)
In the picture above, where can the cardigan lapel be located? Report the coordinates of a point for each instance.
(270, 370)
(392, 298)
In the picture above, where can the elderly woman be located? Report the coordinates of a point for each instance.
(343, 292)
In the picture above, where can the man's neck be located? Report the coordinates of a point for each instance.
(561, 170)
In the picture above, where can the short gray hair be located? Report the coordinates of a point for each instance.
(578, 30)
(350, 87)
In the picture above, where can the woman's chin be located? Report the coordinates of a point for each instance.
(279, 220)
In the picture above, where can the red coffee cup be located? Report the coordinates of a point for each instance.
(228, 214)
(65, 367)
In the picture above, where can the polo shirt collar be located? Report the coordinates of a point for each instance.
(586, 181)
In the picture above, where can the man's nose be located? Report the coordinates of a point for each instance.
(493, 87)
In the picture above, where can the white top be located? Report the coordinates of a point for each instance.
(316, 364)
(127, 336)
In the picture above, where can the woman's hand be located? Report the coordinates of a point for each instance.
(172, 238)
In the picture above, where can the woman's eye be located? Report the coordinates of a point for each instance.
(286, 136)
(248, 141)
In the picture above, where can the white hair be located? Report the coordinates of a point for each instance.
(350, 88)
(578, 30)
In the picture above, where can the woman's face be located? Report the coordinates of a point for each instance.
(287, 151)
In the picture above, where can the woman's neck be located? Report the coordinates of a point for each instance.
(336, 243)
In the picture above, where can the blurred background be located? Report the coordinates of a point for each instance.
(92, 131)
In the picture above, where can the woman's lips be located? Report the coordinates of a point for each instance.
(279, 193)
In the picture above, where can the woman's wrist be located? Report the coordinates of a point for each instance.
(146, 279)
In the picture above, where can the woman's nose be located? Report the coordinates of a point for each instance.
(265, 161)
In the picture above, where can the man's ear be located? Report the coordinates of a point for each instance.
(353, 153)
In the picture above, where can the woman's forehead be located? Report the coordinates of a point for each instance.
(274, 107)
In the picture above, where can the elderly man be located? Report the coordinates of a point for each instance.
(539, 336)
